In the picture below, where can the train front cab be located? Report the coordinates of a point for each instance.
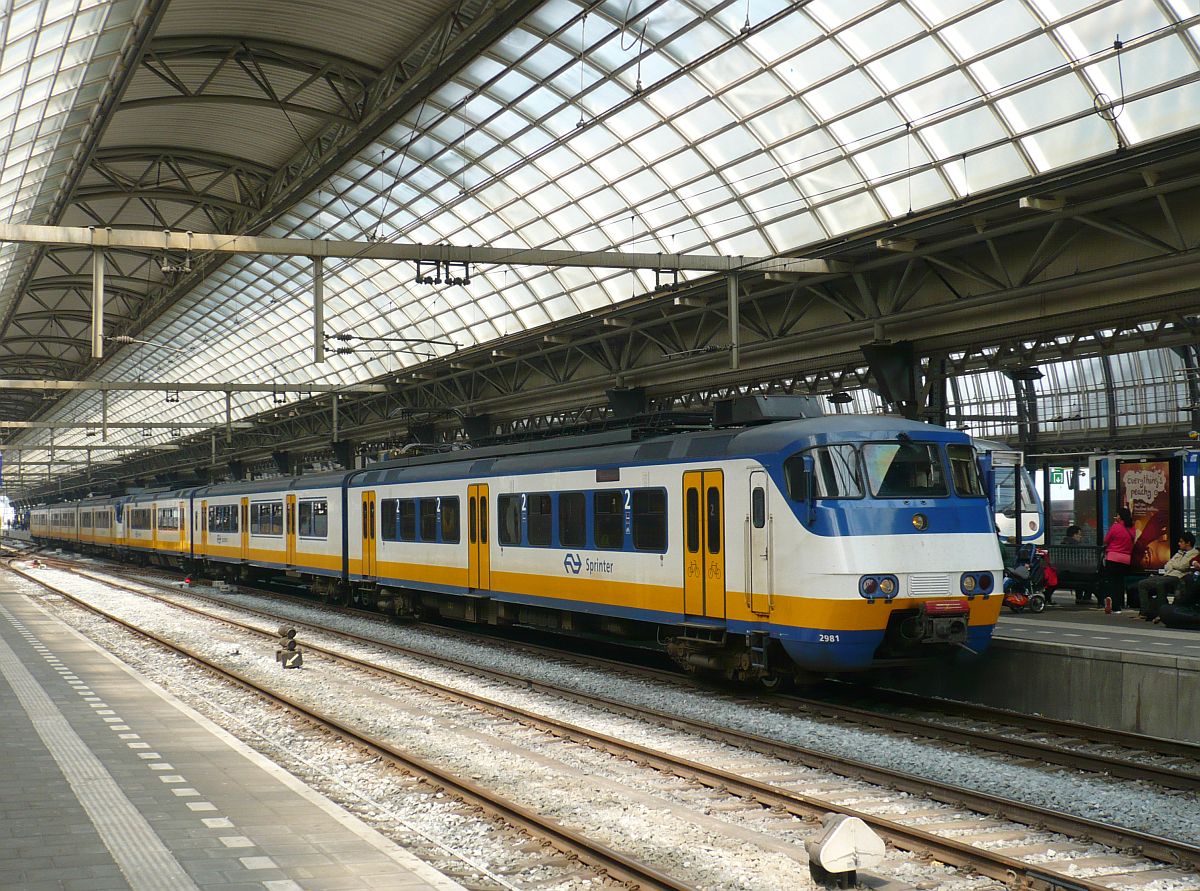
(860, 513)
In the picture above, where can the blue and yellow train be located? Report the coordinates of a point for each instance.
(821, 544)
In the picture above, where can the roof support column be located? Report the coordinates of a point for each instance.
(318, 275)
(228, 418)
(1110, 394)
(104, 415)
(97, 304)
(735, 357)
(335, 417)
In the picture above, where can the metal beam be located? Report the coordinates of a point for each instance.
(318, 274)
(124, 425)
(105, 386)
(215, 243)
(87, 447)
(97, 304)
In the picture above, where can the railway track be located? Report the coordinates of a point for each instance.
(603, 860)
(773, 792)
(1176, 764)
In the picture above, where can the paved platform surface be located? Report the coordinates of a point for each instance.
(107, 782)
(1090, 626)
(1080, 664)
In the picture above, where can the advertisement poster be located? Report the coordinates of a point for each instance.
(1145, 488)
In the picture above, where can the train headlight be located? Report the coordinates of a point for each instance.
(920, 522)
(868, 585)
(887, 586)
(973, 583)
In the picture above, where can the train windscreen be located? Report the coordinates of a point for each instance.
(905, 470)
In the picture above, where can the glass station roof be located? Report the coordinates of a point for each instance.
(756, 127)
(56, 59)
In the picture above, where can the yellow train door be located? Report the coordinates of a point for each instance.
(368, 533)
(183, 527)
(704, 543)
(479, 554)
(245, 528)
(289, 528)
(202, 525)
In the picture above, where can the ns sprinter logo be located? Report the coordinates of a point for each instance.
(572, 564)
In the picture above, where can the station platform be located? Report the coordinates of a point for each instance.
(108, 782)
(1077, 663)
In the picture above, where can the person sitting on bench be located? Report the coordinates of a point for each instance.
(1153, 591)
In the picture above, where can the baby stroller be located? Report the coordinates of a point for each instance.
(1030, 582)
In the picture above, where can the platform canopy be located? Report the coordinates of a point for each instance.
(752, 128)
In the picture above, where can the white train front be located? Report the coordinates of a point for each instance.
(829, 544)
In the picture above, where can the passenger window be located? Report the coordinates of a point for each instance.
(387, 520)
(406, 519)
(540, 520)
(608, 520)
(650, 519)
(572, 520)
(758, 507)
(450, 531)
(429, 519)
(472, 533)
(314, 519)
(483, 519)
(509, 519)
(712, 519)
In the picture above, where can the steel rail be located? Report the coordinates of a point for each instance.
(607, 860)
(1036, 723)
(951, 851)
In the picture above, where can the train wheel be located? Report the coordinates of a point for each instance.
(771, 682)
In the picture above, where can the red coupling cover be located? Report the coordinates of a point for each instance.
(956, 607)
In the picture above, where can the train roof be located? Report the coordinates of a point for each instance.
(623, 447)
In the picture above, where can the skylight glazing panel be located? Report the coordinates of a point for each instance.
(756, 94)
(867, 126)
(779, 40)
(1096, 30)
(1012, 66)
(946, 94)
(1061, 145)
(849, 214)
(1045, 103)
(991, 27)
(832, 13)
(910, 63)
(1161, 114)
(886, 28)
(958, 134)
(850, 90)
(1142, 68)
(778, 124)
(816, 63)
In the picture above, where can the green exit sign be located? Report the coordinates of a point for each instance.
(1058, 476)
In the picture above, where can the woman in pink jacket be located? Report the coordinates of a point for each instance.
(1118, 555)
